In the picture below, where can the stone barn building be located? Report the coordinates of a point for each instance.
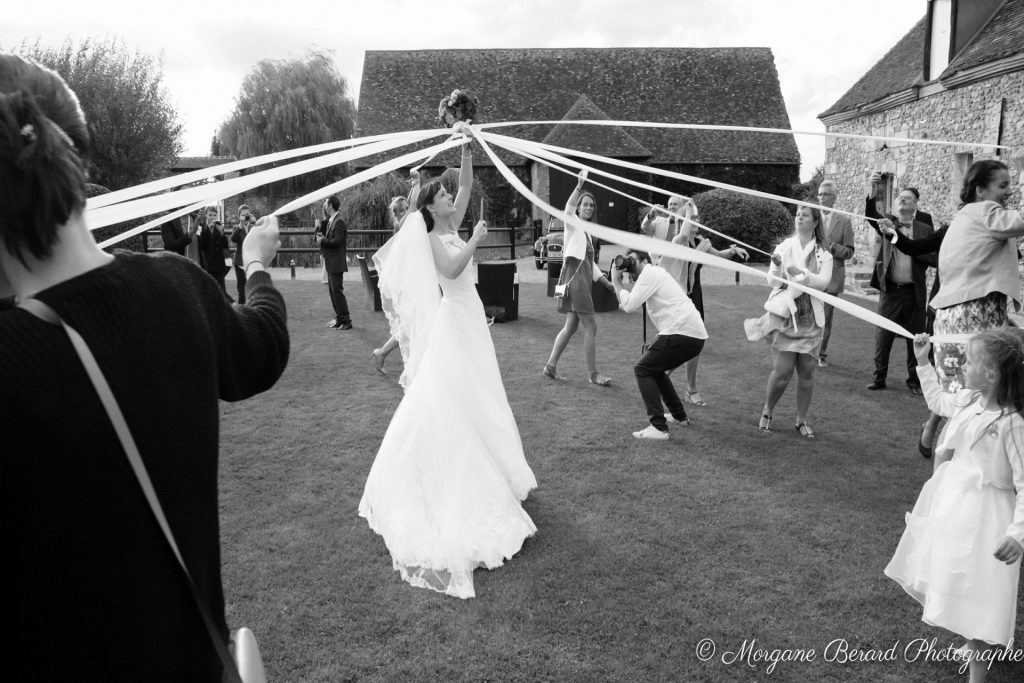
(957, 75)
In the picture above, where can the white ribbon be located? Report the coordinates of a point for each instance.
(656, 246)
(739, 129)
(209, 192)
(545, 157)
(240, 165)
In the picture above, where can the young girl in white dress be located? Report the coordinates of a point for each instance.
(445, 488)
(960, 554)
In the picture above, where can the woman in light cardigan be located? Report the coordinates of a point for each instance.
(978, 262)
(578, 275)
(795, 339)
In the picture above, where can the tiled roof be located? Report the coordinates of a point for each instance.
(733, 86)
(898, 70)
(902, 67)
(1002, 36)
(608, 141)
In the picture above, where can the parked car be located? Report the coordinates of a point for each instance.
(548, 249)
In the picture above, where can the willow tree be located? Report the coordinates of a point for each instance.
(287, 104)
(134, 129)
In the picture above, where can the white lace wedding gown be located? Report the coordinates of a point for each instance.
(445, 488)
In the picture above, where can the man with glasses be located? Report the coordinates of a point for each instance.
(245, 221)
(839, 237)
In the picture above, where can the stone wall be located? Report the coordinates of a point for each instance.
(988, 111)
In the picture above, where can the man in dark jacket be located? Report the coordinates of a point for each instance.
(334, 246)
(213, 247)
(175, 237)
(245, 221)
(900, 281)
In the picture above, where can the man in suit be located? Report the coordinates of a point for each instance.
(175, 237)
(245, 221)
(900, 281)
(333, 244)
(213, 247)
(839, 238)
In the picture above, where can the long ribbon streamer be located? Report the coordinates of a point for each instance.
(741, 129)
(547, 158)
(118, 213)
(240, 165)
(352, 180)
(652, 245)
(677, 176)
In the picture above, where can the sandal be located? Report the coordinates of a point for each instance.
(378, 361)
(765, 425)
(549, 372)
(695, 398)
(805, 430)
(600, 380)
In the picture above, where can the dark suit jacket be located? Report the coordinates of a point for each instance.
(928, 245)
(919, 264)
(237, 237)
(175, 237)
(335, 245)
(213, 248)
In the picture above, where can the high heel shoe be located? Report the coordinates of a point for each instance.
(765, 425)
(600, 380)
(804, 430)
(378, 361)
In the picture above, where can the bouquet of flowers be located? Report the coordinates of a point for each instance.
(459, 106)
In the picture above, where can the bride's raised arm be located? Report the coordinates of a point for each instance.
(465, 186)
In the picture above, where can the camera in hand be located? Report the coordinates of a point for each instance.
(625, 263)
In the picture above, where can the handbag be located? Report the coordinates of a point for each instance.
(780, 303)
(247, 665)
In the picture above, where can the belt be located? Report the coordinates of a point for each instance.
(898, 285)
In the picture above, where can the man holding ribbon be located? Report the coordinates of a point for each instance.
(900, 281)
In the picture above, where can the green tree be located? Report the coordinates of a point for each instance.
(135, 131)
(759, 222)
(287, 104)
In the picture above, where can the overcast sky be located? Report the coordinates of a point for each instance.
(821, 47)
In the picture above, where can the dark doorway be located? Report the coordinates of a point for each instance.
(612, 208)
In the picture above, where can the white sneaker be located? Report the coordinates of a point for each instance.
(672, 420)
(651, 432)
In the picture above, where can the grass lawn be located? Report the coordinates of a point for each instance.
(643, 549)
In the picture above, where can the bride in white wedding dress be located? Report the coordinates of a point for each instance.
(445, 488)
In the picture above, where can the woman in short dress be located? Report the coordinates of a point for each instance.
(795, 339)
(576, 300)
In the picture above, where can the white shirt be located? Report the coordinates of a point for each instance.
(669, 308)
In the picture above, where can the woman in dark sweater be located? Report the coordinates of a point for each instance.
(94, 591)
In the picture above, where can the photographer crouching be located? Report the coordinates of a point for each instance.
(681, 336)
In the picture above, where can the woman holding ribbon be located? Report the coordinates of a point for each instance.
(446, 486)
(794, 322)
(98, 593)
(978, 262)
(575, 299)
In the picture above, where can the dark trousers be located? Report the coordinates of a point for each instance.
(667, 352)
(827, 333)
(240, 279)
(898, 304)
(336, 288)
